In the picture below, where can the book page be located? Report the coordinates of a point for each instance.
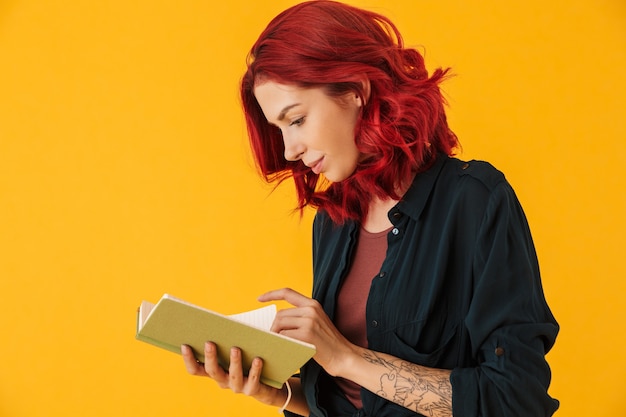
(261, 318)
(144, 311)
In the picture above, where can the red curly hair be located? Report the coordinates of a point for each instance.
(402, 127)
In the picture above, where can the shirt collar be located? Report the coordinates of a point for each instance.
(414, 200)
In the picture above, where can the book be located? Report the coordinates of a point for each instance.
(172, 322)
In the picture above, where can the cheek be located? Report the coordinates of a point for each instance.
(344, 139)
(344, 165)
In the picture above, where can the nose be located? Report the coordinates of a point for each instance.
(294, 148)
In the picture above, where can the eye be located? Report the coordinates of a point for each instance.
(297, 122)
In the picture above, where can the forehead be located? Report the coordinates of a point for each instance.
(268, 93)
(276, 98)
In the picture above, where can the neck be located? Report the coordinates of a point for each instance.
(377, 219)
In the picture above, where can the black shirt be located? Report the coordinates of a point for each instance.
(459, 289)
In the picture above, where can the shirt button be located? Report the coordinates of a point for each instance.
(395, 231)
(397, 215)
(499, 351)
(374, 323)
(382, 274)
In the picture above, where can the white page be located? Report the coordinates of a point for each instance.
(261, 318)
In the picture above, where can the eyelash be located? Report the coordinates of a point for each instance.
(297, 122)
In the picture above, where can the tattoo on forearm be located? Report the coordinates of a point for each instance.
(406, 384)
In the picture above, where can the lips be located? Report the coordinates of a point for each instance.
(316, 166)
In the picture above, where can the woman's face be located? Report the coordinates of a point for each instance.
(316, 128)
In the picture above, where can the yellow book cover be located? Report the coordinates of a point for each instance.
(172, 322)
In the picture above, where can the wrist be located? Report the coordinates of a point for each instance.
(343, 366)
(284, 405)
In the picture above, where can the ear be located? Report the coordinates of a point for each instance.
(365, 84)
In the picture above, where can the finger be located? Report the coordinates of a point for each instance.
(191, 363)
(253, 384)
(304, 328)
(235, 370)
(211, 365)
(307, 317)
(286, 294)
(289, 319)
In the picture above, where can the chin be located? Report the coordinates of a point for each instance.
(337, 177)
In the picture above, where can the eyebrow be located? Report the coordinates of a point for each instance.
(284, 111)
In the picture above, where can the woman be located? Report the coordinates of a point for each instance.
(427, 297)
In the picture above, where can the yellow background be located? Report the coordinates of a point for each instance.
(124, 174)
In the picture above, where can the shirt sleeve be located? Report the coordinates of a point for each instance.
(509, 324)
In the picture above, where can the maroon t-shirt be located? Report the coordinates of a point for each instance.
(350, 315)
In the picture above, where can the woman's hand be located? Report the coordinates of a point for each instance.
(233, 379)
(425, 390)
(308, 322)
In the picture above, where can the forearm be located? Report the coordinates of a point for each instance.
(424, 390)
